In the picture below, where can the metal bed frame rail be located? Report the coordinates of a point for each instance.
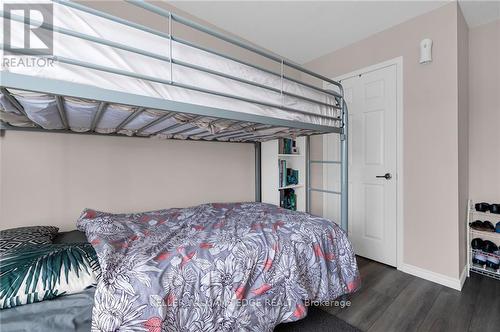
(171, 60)
(23, 82)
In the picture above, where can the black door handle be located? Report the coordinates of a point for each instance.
(386, 176)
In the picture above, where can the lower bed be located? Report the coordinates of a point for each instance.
(213, 267)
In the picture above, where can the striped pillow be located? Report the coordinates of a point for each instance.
(21, 236)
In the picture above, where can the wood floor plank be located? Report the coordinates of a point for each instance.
(486, 316)
(393, 301)
(371, 273)
(452, 310)
(392, 282)
(362, 261)
(409, 309)
(366, 307)
(384, 279)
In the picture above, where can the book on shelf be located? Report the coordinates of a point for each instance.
(282, 172)
(287, 146)
(287, 176)
(288, 199)
(292, 176)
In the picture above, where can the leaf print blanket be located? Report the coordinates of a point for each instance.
(215, 267)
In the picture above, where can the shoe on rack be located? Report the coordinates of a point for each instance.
(482, 207)
(477, 243)
(492, 263)
(479, 260)
(477, 225)
(495, 208)
(488, 226)
(489, 247)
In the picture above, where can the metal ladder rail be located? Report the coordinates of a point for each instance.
(344, 172)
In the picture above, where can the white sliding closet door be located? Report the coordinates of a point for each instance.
(372, 102)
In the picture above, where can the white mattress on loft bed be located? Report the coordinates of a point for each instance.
(42, 109)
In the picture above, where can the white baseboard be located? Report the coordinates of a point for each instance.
(463, 276)
(455, 283)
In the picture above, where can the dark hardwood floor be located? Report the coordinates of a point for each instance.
(394, 301)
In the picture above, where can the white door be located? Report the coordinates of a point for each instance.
(372, 105)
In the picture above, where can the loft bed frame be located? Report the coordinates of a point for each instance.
(241, 127)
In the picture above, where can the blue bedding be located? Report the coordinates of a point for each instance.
(65, 313)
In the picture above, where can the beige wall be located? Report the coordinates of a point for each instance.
(463, 134)
(430, 127)
(48, 179)
(484, 145)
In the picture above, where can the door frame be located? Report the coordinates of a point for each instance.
(399, 146)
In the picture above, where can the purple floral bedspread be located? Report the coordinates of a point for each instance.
(215, 267)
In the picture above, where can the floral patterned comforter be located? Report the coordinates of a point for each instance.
(215, 267)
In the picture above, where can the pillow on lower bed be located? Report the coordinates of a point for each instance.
(21, 236)
(71, 237)
(35, 273)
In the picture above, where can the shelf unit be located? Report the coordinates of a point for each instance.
(270, 172)
(494, 237)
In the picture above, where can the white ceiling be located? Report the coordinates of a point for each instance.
(478, 12)
(305, 30)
